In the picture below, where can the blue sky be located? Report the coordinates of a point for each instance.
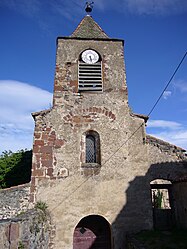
(155, 34)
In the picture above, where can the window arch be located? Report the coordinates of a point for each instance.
(90, 71)
(90, 151)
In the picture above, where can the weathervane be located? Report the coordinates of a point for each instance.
(89, 7)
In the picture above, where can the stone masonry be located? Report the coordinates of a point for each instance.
(118, 188)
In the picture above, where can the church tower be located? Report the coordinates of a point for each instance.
(84, 156)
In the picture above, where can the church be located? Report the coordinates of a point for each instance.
(94, 165)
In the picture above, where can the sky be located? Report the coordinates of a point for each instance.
(155, 34)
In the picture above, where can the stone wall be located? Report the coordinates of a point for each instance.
(164, 151)
(180, 194)
(14, 200)
(28, 231)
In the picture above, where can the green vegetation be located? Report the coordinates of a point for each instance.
(21, 245)
(41, 206)
(15, 168)
(174, 239)
(157, 199)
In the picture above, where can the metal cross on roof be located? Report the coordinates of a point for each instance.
(89, 7)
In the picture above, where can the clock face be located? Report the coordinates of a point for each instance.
(89, 56)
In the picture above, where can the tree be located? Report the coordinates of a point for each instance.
(15, 168)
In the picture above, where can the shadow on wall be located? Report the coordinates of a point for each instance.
(137, 214)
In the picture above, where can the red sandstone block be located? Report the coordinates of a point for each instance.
(38, 172)
(46, 149)
(14, 232)
(47, 163)
(73, 83)
(50, 171)
(32, 188)
(39, 142)
(58, 88)
(37, 156)
(37, 135)
(113, 116)
(88, 120)
(51, 138)
(44, 136)
(59, 142)
(99, 110)
(46, 156)
(110, 114)
(33, 180)
(50, 143)
(76, 119)
(36, 149)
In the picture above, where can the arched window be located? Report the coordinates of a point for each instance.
(90, 149)
(90, 71)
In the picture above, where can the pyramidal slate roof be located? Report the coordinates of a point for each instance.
(88, 28)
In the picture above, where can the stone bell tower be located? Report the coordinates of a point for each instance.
(83, 160)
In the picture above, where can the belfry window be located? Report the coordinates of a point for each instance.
(90, 71)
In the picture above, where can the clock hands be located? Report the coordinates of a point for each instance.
(90, 58)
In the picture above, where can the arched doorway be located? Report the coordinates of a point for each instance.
(92, 232)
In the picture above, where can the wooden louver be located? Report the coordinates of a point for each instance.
(90, 77)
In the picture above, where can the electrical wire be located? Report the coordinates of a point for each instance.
(177, 68)
(83, 182)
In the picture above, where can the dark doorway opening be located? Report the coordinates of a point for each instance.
(162, 201)
(92, 232)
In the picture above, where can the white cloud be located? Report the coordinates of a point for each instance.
(164, 124)
(167, 94)
(17, 101)
(180, 85)
(170, 131)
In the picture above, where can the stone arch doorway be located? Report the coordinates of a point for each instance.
(92, 232)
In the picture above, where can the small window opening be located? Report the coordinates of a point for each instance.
(90, 149)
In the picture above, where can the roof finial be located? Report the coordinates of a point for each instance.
(89, 7)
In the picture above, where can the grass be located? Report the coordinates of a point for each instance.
(174, 239)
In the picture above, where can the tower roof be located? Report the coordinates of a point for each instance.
(88, 28)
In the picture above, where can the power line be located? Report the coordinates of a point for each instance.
(177, 68)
